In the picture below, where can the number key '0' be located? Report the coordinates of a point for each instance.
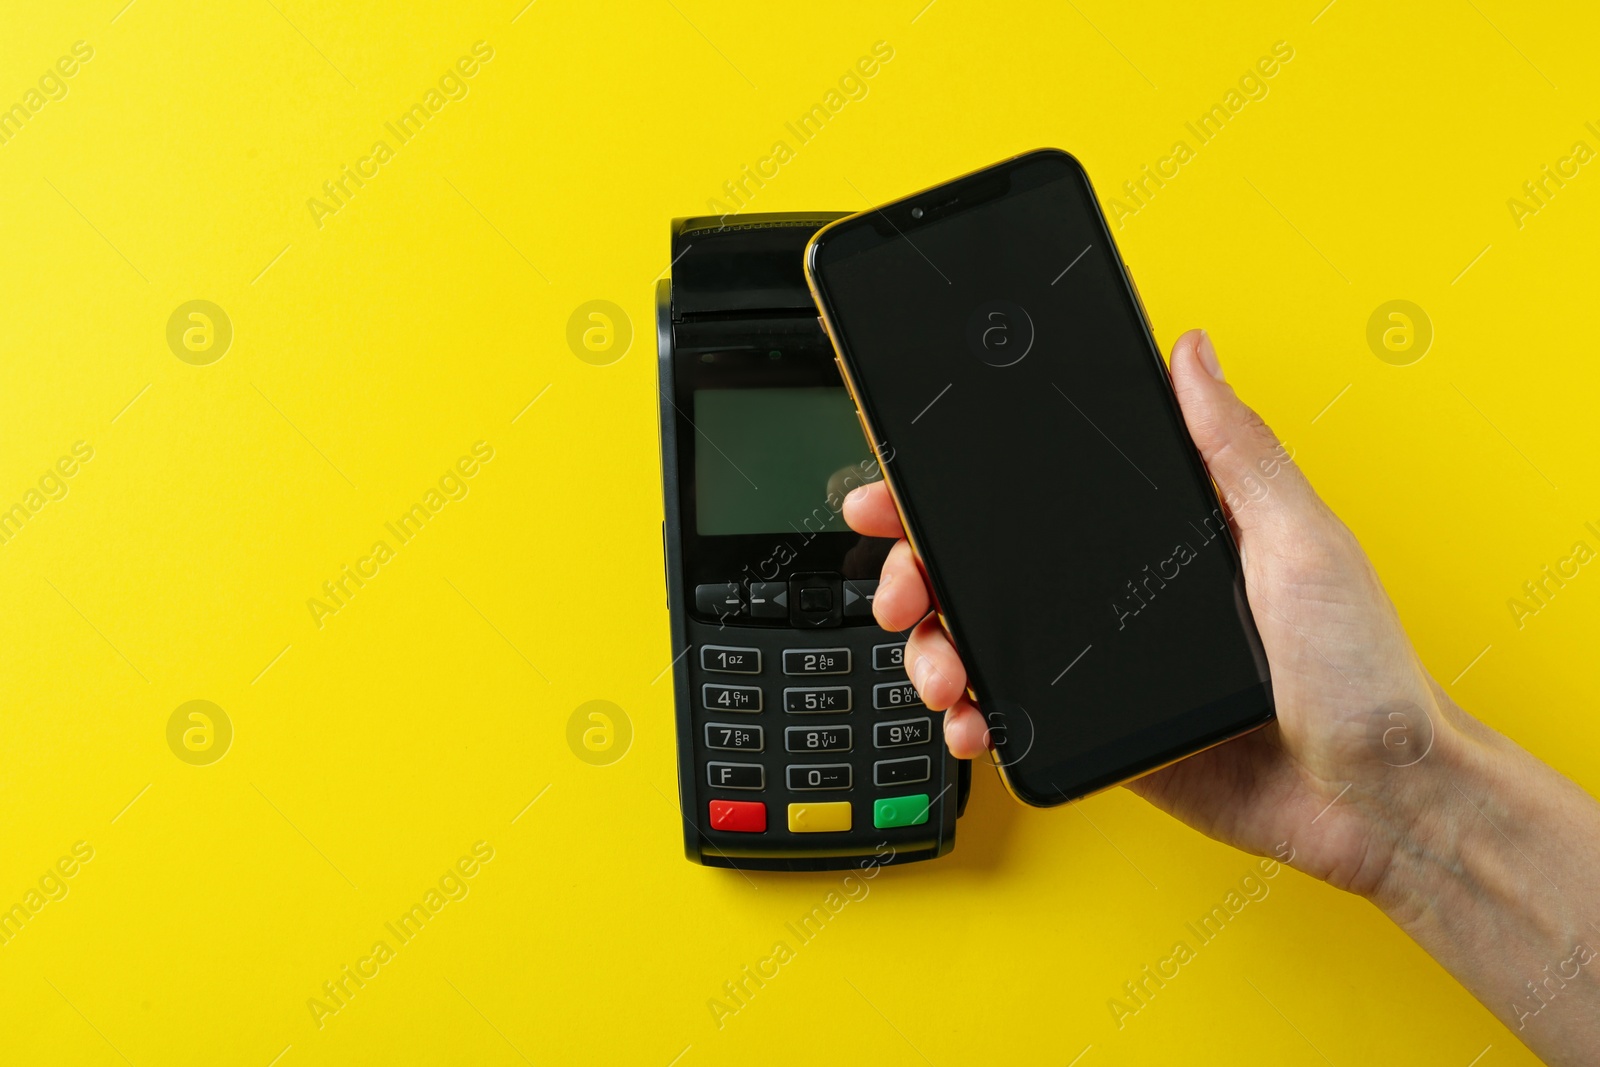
(818, 776)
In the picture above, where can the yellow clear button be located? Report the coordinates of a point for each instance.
(819, 818)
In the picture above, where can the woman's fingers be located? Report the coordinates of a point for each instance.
(965, 732)
(902, 598)
(933, 665)
(1255, 473)
(870, 510)
(903, 602)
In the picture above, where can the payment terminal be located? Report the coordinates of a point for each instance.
(802, 744)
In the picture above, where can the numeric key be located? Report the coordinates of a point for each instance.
(734, 737)
(902, 732)
(887, 696)
(816, 661)
(889, 657)
(817, 738)
(818, 776)
(833, 699)
(730, 697)
(725, 659)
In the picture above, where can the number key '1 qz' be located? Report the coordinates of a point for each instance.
(726, 660)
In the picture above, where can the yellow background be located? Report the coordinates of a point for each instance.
(425, 716)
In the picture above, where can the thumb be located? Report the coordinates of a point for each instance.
(1255, 472)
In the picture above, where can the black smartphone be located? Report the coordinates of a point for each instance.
(1080, 560)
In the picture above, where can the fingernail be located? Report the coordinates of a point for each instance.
(854, 493)
(919, 672)
(1208, 356)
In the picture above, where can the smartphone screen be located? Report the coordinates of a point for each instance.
(1024, 419)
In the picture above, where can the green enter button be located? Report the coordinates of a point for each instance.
(900, 811)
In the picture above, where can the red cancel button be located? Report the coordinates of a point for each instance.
(739, 816)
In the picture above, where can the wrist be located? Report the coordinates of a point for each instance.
(1468, 823)
(1422, 816)
(1386, 803)
(1493, 865)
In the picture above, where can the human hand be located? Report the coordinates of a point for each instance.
(1318, 781)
